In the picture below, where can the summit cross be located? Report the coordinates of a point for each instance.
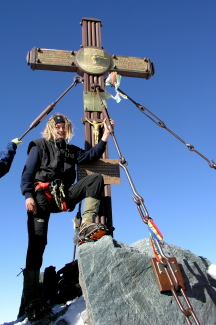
(92, 63)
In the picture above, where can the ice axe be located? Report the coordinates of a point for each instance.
(50, 107)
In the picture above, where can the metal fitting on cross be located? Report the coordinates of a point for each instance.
(190, 146)
(123, 161)
(161, 124)
(212, 164)
(96, 87)
(78, 79)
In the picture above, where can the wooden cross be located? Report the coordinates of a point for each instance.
(92, 63)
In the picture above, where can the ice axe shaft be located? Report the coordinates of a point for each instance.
(39, 119)
(48, 109)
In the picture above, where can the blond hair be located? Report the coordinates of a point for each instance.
(50, 131)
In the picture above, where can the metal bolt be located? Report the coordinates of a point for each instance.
(72, 53)
(115, 67)
(146, 60)
(39, 50)
(38, 61)
(81, 45)
(114, 56)
(72, 63)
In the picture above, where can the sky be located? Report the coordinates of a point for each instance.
(178, 186)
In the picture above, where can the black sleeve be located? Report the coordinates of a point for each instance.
(29, 171)
(3, 169)
(6, 158)
(94, 154)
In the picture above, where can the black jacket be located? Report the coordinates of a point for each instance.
(49, 160)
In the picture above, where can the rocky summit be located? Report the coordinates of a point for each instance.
(120, 288)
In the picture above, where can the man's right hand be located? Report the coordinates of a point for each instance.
(31, 205)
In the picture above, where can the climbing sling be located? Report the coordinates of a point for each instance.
(55, 190)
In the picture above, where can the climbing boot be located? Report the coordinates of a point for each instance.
(35, 310)
(91, 207)
(30, 285)
(90, 232)
(33, 307)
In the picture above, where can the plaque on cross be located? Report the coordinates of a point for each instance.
(92, 63)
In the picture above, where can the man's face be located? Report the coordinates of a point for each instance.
(60, 131)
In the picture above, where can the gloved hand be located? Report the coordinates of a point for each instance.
(17, 141)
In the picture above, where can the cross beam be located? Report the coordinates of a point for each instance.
(69, 61)
(92, 63)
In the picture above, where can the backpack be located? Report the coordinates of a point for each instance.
(50, 285)
(62, 286)
(68, 282)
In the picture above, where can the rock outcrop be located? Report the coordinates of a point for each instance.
(120, 288)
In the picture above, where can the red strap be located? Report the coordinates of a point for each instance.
(64, 205)
(45, 187)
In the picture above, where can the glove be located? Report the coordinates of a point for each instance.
(16, 141)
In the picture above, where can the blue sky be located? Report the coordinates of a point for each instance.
(177, 185)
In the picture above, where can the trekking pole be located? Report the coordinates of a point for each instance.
(50, 107)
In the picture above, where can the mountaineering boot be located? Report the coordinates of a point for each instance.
(30, 285)
(34, 309)
(89, 230)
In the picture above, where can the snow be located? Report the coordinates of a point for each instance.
(212, 271)
(72, 315)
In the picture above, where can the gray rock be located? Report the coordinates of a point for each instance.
(120, 288)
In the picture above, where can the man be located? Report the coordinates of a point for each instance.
(7, 156)
(47, 186)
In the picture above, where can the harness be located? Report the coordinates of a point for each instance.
(55, 190)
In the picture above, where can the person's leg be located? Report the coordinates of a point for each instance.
(37, 232)
(90, 188)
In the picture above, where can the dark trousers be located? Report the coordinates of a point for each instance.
(90, 186)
